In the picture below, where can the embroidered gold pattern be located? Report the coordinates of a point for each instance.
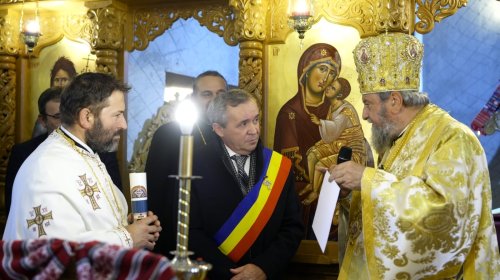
(434, 231)
(115, 207)
(89, 191)
(39, 220)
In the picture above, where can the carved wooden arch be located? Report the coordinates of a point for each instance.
(147, 25)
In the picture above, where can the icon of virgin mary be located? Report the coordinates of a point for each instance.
(295, 131)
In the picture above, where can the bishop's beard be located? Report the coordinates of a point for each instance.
(383, 135)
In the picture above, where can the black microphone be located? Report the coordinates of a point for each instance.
(345, 154)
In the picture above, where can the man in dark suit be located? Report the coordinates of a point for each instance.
(245, 214)
(163, 159)
(49, 118)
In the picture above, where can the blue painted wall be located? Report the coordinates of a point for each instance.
(462, 63)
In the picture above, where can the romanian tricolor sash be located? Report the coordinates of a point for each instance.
(246, 222)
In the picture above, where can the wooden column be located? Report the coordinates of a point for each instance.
(9, 50)
(250, 30)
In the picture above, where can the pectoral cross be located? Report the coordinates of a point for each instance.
(39, 219)
(89, 191)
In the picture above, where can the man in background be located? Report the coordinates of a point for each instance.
(163, 158)
(63, 189)
(245, 213)
(50, 118)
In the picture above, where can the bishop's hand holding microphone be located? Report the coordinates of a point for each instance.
(347, 173)
(345, 154)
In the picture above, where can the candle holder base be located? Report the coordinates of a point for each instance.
(187, 269)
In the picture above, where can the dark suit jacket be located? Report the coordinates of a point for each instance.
(163, 192)
(213, 199)
(20, 152)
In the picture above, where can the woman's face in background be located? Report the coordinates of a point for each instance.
(61, 79)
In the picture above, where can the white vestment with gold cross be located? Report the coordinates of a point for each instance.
(63, 191)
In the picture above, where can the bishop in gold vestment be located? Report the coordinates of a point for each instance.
(425, 211)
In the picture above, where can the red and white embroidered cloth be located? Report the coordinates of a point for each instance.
(50, 258)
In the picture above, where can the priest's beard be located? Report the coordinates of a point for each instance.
(100, 139)
(383, 135)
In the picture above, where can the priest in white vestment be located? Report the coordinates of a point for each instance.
(425, 211)
(63, 189)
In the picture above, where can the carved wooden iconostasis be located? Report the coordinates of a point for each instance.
(269, 52)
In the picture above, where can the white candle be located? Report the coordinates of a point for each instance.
(139, 195)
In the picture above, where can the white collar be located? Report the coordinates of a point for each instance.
(230, 152)
(77, 140)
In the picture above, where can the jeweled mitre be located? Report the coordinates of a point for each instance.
(389, 61)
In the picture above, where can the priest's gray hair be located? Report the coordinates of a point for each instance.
(411, 98)
(217, 109)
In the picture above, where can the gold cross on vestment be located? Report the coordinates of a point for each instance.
(89, 191)
(39, 219)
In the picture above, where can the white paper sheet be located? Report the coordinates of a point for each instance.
(327, 201)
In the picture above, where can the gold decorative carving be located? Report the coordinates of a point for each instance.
(7, 118)
(78, 27)
(434, 11)
(107, 61)
(54, 26)
(151, 23)
(106, 37)
(250, 19)
(278, 21)
(250, 67)
(250, 29)
(394, 15)
(218, 20)
(51, 29)
(9, 27)
(107, 32)
(164, 115)
(362, 15)
(369, 17)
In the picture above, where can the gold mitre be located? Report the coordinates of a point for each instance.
(388, 61)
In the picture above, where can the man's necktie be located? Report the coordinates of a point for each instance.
(240, 164)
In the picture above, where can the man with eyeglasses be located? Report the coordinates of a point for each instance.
(49, 117)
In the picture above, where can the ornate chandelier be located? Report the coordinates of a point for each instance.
(30, 31)
(300, 16)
